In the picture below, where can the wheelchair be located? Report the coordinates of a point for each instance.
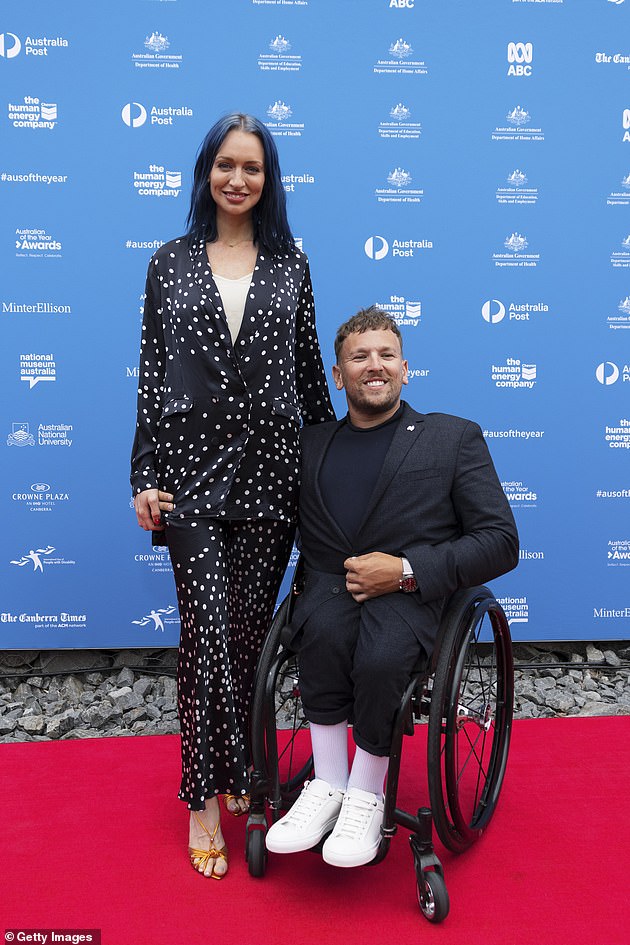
(466, 690)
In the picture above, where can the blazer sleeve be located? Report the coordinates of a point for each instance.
(150, 387)
(488, 542)
(312, 387)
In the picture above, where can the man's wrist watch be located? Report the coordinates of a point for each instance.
(407, 583)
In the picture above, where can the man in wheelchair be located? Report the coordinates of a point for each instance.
(397, 511)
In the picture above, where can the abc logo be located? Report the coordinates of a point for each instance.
(607, 373)
(10, 45)
(519, 55)
(134, 114)
(493, 311)
(376, 247)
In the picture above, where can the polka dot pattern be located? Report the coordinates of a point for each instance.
(228, 575)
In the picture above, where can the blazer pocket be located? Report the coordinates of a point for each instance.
(180, 405)
(427, 472)
(282, 409)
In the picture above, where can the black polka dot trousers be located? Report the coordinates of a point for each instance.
(227, 575)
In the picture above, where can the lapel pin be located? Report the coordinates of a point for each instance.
(411, 428)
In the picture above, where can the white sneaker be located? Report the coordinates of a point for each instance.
(312, 816)
(357, 833)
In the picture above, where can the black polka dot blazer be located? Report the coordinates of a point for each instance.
(218, 424)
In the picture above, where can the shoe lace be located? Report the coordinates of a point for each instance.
(354, 819)
(304, 808)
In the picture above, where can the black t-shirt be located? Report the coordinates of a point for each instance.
(351, 468)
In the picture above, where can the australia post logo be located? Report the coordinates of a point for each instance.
(519, 57)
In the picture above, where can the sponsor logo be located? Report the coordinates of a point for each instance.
(616, 59)
(34, 308)
(48, 621)
(377, 247)
(403, 311)
(516, 256)
(605, 613)
(37, 367)
(622, 319)
(156, 54)
(401, 61)
(279, 58)
(35, 243)
(618, 554)
(494, 311)
(514, 190)
(48, 434)
(280, 3)
(290, 180)
(512, 434)
(158, 619)
(518, 128)
(401, 4)
(620, 198)
(11, 45)
(620, 259)
(519, 495)
(400, 125)
(618, 437)
(519, 57)
(32, 113)
(608, 373)
(157, 561)
(157, 182)
(134, 114)
(279, 124)
(516, 609)
(625, 122)
(515, 374)
(40, 558)
(40, 497)
(526, 555)
(399, 190)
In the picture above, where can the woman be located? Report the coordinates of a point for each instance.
(229, 367)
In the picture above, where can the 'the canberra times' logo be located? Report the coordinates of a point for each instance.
(134, 114)
(519, 57)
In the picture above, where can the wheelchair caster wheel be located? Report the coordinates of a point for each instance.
(433, 897)
(256, 853)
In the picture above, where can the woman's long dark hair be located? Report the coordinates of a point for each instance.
(271, 227)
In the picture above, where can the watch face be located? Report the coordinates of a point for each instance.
(408, 585)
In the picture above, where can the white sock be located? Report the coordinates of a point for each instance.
(330, 753)
(368, 772)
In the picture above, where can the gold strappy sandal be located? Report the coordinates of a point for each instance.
(236, 812)
(199, 858)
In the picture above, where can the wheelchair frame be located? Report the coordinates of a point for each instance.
(466, 690)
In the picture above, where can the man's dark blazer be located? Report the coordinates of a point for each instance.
(438, 501)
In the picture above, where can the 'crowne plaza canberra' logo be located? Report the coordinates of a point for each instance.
(519, 57)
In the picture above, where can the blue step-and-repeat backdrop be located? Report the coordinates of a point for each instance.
(464, 165)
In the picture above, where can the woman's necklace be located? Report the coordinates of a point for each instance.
(236, 243)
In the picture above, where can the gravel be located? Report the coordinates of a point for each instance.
(86, 694)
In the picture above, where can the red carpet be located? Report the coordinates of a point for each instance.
(91, 836)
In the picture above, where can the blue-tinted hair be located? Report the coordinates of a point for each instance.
(271, 227)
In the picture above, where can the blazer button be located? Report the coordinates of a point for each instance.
(215, 440)
(335, 589)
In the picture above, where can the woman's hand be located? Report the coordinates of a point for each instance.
(149, 506)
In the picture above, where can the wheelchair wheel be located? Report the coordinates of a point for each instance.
(433, 897)
(470, 718)
(279, 752)
(256, 853)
